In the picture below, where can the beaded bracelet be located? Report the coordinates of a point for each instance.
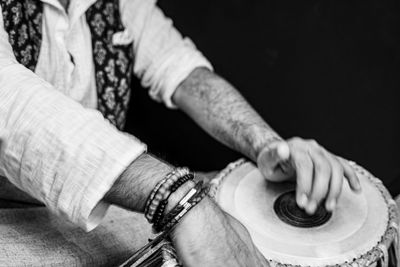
(185, 204)
(154, 191)
(164, 190)
(163, 204)
(161, 190)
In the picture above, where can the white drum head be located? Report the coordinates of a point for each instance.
(355, 227)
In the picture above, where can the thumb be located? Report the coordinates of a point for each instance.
(271, 158)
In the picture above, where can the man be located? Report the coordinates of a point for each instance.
(56, 147)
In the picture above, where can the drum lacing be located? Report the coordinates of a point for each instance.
(384, 261)
(216, 182)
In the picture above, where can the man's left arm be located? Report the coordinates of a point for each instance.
(179, 76)
(223, 112)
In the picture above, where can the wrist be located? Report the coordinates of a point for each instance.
(134, 185)
(199, 218)
(259, 138)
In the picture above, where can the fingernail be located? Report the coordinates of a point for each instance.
(312, 206)
(330, 205)
(303, 200)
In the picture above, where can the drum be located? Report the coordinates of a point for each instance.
(362, 231)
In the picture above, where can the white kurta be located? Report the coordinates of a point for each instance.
(53, 143)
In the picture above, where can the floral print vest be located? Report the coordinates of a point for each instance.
(113, 63)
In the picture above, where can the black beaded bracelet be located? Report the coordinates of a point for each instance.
(161, 190)
(163, 204)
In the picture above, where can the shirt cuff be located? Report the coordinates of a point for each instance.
(93, 207)
(175, 69)
(86, 207)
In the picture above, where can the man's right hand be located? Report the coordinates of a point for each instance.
(207, 236)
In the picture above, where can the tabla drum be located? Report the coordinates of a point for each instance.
(362, 231)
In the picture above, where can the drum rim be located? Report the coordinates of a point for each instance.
(373, 255)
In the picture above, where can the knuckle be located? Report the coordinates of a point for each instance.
(313, 142)
(295, 140)
(322, 166)
(320, 151)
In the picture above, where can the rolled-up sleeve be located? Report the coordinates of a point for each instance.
(53, 148)
(163, 58)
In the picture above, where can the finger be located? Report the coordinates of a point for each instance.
(283, 151)
(270, 158)
(335, 184)
(322, 176)
(275, 153)
(350, 175)
(304, 172)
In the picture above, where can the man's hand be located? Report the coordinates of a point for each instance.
(207, 236)
(319, 174)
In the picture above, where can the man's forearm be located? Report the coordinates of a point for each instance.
(223, 112)
(133, 187)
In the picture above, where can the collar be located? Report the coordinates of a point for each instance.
(76, 8)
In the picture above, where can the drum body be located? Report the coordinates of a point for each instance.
(362, 231)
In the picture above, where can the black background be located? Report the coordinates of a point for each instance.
(327, 70)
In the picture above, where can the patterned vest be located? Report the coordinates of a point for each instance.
(113, 64)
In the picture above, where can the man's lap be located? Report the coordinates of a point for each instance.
(35, 237)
